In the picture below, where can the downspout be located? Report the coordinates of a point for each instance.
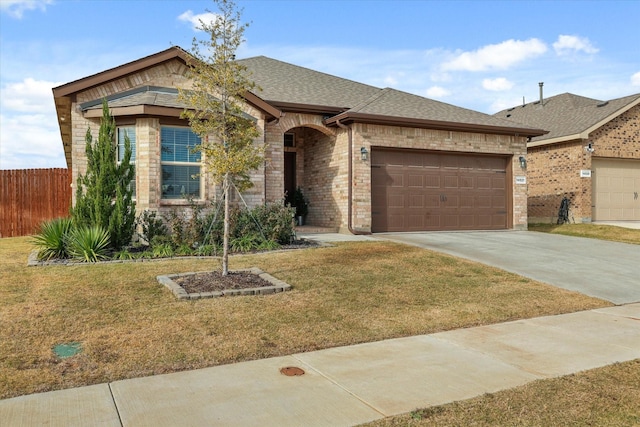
(350, 178)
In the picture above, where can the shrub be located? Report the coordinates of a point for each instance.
(163, 250)
(89, 244)
(271, 222)
(261, 228)
(207, 250)
(245, 243)
(52, 238)
(104, 193)
(151, 226)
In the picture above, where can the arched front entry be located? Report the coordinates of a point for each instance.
(310, 164)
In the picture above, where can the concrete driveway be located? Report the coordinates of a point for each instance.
(606, 270)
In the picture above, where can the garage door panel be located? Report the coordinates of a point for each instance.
(396, 201)
(432, 201)
(467, 201)
(484, 202)
(498, 202)
(415, 180)
(438, 192)
(432, 181)
(397, 180)
(467, 182)
(451, 181)
(416, 222)
(483, 183)
(616, 185)
(417, 201)
(498, 183)
(452, 201)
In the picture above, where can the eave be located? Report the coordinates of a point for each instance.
(136, 110)
(307, 108)
(350, 117)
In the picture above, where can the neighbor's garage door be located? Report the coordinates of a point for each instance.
(422, 191)
(616, 190)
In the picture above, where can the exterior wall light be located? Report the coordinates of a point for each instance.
(364, 154)
(589, 148)
(523, 162)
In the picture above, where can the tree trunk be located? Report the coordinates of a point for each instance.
(225, 240)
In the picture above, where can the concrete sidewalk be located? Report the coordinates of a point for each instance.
(348, 385)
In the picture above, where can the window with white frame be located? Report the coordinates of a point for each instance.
(180, 163)
(130, 132)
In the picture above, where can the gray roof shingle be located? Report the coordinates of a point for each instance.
(287, 83)
(566, 114)
(394, 103)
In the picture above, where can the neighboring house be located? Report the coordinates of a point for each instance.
(591, 155)
(368, 159)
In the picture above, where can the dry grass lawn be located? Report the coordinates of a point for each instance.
(130, 326)
(608, 396)
(592, 231)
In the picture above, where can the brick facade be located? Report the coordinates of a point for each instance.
(322, 155)
(554, 169)
(148, 166)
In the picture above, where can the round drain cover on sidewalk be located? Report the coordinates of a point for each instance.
(291, 371)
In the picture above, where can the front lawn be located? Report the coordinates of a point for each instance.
(592, 231)
(607, 396)
(131, 326)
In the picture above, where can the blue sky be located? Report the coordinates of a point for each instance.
(482, 55)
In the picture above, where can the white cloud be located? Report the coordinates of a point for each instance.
(390, 81)
(503, 102)
(16, 8)
(499, 56)
(498, 84)
(635, 79)
(437, 92)
(29, 134)
(197, 20)
(30, 141)
(572, 44)
(28, 96)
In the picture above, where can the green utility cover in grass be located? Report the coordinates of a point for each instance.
(67, 350)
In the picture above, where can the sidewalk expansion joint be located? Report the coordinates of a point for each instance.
(337, 384)
(115, 405)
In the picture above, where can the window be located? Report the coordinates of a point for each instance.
(129, 131)
(289, 140)
(180, 163)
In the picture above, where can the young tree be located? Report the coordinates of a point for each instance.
(103, 194)
(215, 108)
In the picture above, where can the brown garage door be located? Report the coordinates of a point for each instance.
(616, 190)
(423, 191)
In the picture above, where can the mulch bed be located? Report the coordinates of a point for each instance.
(213, 281)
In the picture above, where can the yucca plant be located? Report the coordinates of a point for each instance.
(52, 238)
(89, 244)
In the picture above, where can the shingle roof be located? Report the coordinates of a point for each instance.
(281, 82)
(394, 103)
(567, 115)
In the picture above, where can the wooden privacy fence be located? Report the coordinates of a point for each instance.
(30, 196)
